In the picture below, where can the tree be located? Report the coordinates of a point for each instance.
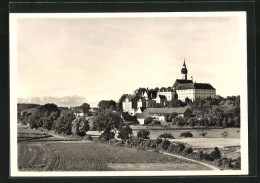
(125, 132)
(216, 154)
(187, 100)
(236, 121)
(144, 134)
(85, 108)
(80, 126)
(107, 120)
(120, 102)
(107, 104)
(44, 116)
(64, 123)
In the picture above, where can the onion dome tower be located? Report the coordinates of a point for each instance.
(184, 71)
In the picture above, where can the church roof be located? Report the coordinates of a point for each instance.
(181, 81)
(194, 86)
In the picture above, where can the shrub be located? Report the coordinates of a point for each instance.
(156, 143)
(165, 144)
(105, 136)
(186, 134)
(172, 147)
(148, 143)
(148, 120)
(180, 147)
(224, 163)
(125, 132)
(155, 122)
(216, 154)
(87, 137)
(113, 141)
(133, 141)
(187, 150)
(166, 136)
(237, 164)
(198, 155)
(144, 134)
(207, 157)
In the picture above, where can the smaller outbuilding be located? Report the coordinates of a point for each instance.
(159, 113)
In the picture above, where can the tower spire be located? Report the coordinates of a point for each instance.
(184, 63)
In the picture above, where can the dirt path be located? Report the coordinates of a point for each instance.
(192, 160)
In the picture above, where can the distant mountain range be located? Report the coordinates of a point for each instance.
(67, 101)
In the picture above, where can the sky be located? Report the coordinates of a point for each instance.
(103, 58)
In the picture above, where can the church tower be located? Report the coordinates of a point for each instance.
(184, 71)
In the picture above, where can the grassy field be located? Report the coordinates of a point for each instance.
(211, 133)
(44, 155)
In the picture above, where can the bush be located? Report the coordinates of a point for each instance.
(155, 122)
(148, 120)
(87, 137)
(207, 157)
(148, 143)
(156, 143)
(166, 136)
(113, 141)
(105, 136)
(224, 163)
(144, 134)
(187, 150)
(172, 148)
(125, 132)
(180, 147)
(186, 134)
(165, 144)
(216, 154)
(237, 164)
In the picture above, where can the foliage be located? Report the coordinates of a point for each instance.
(128, 117)
(144, 134)
(64, 123)
(216, 154)
(148, 120)
(165, 144)
(87, 137)
(21, 107)
(175, 103)
(80, 126)
(166, 136)
(105, 136)
(44, 116)
(125, 132)
(186, 134)
(107, 120)
(187, 150)
(107, 104)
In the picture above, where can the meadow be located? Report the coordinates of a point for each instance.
(53, 155)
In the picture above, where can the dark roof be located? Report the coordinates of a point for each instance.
(181, 81)
(194, 86)
(162, 96)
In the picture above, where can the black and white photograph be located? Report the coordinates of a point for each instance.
(128, 94)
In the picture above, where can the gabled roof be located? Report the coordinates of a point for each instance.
(181, 81)
(162, 97)
(194, 86)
